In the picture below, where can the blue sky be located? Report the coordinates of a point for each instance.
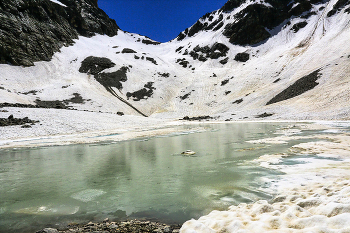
(161, 20)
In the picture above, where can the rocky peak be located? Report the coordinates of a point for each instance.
(254, 20)
(33, 30)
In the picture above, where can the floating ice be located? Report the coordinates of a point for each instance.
(88, 195)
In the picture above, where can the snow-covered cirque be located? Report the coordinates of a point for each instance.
(163, 82)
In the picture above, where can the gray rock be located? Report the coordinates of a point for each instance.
(48, 230)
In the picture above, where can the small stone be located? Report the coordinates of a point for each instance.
(106, 220)
(48, 230)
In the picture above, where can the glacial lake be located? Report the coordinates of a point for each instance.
(142, 178)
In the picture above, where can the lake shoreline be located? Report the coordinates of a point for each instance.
(64, 127)
(133, 225)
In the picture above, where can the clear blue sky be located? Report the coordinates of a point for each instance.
(161, 20)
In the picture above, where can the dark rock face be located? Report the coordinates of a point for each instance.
(338, 6)
(203, 53)
(296, 27)
(113, 79)
(151, 59)
(224, 82)
(33, 30)
(148, 42)
(242, 57)
(127, 50)
(182, 62)
(253, 24)
(198, 26)
(231, 4)
(224, 61)
(301, 86)
(94, 65)
(143, 93)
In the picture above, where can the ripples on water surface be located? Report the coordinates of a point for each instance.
(139, 178)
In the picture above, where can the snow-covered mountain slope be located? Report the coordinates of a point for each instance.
(250, 59)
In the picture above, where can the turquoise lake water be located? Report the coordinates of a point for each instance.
(142, 178)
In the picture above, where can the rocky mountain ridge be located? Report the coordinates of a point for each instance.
(250, 59)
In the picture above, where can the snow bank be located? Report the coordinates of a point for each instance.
(313, 196)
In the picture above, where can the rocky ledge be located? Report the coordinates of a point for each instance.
(106, 226)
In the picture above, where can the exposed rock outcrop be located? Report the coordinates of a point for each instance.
(301, 86)
(33, 30)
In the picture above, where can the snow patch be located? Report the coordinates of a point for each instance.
(58, 2)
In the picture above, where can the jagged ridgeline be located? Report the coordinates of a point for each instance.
(33, 30)
(252, 24)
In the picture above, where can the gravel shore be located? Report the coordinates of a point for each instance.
(116, 227)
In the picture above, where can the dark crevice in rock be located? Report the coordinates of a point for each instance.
(301, 86)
